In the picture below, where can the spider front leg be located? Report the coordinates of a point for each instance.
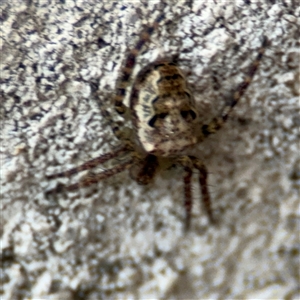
(218, 122)
(129, 64)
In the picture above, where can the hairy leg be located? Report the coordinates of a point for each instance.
(92, 178)
(91, 163)
(189, 163)
(198, 164)
(129, 64)
(218, 122)
(188, 200)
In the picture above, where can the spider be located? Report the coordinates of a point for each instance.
(165, 123)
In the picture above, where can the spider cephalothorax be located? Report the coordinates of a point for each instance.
(165, 121)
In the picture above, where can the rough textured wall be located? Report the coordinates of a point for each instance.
(121, 240)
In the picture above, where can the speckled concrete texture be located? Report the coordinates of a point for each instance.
(119, 240)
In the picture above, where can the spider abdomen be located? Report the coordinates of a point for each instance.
(163, 109)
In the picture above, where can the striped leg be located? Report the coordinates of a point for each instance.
(91, 178)
(94, 178)
(129, 64)
(188, 200)
(198, 164)
(218, 122)
(90, 164)
(187, 164)
(87, 166)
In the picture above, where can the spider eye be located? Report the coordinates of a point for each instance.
(154, 118)
(152, 121)
(162, 115)
(186, 114)
(155, 99)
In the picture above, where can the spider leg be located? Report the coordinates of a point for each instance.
(92, 178)
(188, 201)
(218, 122)
(129, 64)
(91, 163)
(124, 81)
(187, 164)
(198, 164)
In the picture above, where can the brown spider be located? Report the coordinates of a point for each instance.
(166, 122)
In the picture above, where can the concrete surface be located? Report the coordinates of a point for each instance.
(119, 240)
